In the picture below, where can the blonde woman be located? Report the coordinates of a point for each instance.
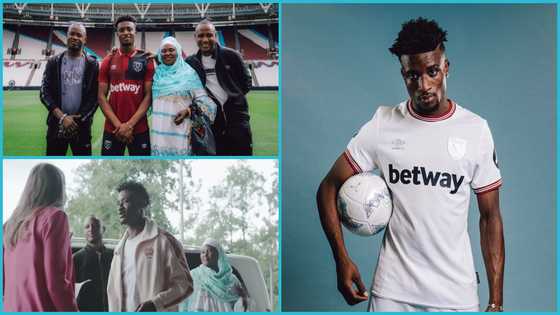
(38, 269)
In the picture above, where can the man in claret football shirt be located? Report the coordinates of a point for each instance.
(431, 152)
(127, 76)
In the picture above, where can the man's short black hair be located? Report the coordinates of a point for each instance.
(137, 189)
(205, 20)
(125, 18)
(419, 36)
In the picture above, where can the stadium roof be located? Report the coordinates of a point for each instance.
(147, 14)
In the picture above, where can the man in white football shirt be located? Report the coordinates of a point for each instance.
(431, 152)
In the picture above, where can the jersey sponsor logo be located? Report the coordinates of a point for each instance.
(124, 87)
(418, 175)
(456, 147)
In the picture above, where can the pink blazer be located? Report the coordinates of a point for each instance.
(38, 271)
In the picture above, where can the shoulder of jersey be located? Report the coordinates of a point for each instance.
(141, 53)
(107, 58)
(465, 114)
(384, 111)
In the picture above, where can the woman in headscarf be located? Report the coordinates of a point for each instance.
(176, 86)
(38, 268)
(216, 288)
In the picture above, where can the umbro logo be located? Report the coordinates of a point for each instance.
(398, 144)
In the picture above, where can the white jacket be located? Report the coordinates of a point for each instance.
(162, 273)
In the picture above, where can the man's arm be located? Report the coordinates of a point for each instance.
(492, 244)
(347, 272)
(91, 101)
(144, 105)
(49, 100)
(246, 81)
(105, 106)
(45, 94)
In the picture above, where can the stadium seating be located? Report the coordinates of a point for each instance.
(255, 37)
(229, 38)
(251, 50)
(266, 72)
(38, 75)
(153, 39)
(253, 43)
(7, 42)
(99, 40)
(31, 48)
(16, 72)
(187, 42)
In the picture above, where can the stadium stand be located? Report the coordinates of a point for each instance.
(153, 39)
(17, 72)
(266, 73)
(187, 41)
(38, 75)
(252, 29)
(7, 42)
(31, 48)
(250, 50)
(255, 37)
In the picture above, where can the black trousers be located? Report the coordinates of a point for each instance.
(139, 146)
(80, 145)
(233, 135)
(234, 140)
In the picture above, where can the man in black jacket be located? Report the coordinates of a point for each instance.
(93, 263)
(69, 92)
(227, 79)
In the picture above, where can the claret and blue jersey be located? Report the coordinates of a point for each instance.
(126, 75)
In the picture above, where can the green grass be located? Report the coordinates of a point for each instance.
(25, 126)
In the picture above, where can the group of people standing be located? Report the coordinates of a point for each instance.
(198, 103)
(146, 271)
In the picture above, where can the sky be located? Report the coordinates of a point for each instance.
(210, 171)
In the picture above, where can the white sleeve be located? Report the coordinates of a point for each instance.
(486, 176)
(361, 150)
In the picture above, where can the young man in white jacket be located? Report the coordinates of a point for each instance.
(149, 271)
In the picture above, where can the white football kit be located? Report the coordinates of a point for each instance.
(429, 164)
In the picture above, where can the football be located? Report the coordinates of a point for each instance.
(364, 204)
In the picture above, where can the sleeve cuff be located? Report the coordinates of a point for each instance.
(484, 189)
(355, 167)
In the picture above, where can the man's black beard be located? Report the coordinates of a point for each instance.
(75, 50)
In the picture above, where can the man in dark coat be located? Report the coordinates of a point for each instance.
(92, 264)
(227, 79)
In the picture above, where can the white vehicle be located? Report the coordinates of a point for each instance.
(246, 268)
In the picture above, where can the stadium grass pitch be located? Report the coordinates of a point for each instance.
(25, 126)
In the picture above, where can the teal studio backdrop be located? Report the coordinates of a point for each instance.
(336, 70)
